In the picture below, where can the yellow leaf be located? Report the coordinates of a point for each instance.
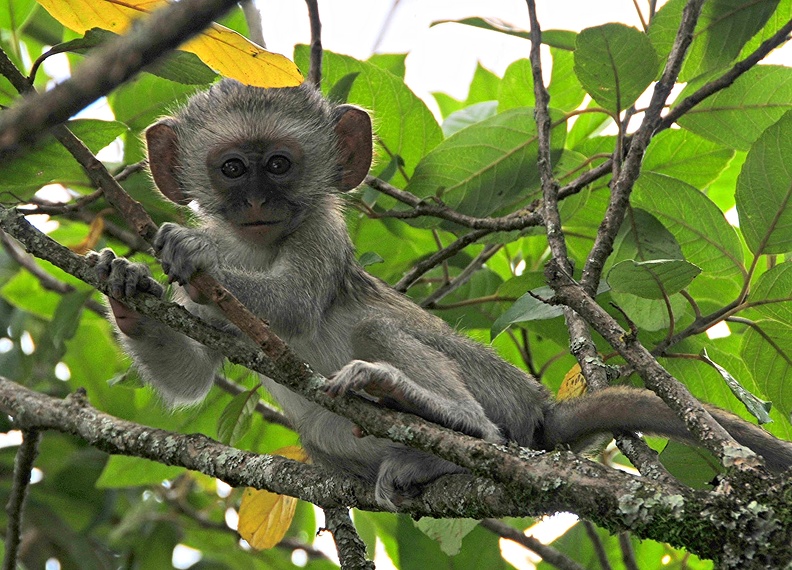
(265, 517)
(232, 55)
(573, 385)
(221, 48)
(90, 241)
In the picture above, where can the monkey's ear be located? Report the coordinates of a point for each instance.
(353, 128)
(162, 145)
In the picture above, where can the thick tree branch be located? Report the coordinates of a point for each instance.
(46, 280)
(108, 68)
(528, 483)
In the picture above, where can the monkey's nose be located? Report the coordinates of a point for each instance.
(257, 202)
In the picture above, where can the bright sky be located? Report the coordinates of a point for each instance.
(442, 58)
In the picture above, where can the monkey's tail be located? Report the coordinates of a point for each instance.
(621, 409)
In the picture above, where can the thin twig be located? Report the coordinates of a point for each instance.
(581, 344)
(644, 458)
(549, 554)
(315, 72)
(253, 19)
(728, 78)
(351, 549)
(596, 542)
(266, 411)
(462, 278)
(436, 258)
(519, 220)
(621, 187)
(628, 554)
(23, 465)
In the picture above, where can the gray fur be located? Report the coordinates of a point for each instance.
(348, 326)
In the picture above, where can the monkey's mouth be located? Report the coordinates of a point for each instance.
(260, 223)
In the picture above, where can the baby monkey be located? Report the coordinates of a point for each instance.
(266, 168)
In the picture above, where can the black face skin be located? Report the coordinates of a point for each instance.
(254, 182)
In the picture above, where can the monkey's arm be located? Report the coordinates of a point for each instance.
(291, 292)
(180, 368)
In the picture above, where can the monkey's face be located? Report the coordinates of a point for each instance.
(255, 185)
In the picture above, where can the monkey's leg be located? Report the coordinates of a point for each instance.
(395, 367)
(404, 472)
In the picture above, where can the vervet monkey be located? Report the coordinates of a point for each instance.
(265, 168)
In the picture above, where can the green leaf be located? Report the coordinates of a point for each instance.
(128, 379)
(529, 307)
(392, 62)
(764, 189)
(48, 162)
(237, 416)
(781, 16)
(769, 359)
(722, 29)
(516, 87)
(471, 115)
(706, 238)
(487, 166)
(771, 296)
(564, 89)
(651, 314)
(483, 87)
(448, 532)
(643, 237)
(140, 102)
(14, 13)
(686, 156)
(587, 125)
(123, 471)
(693, 466)
(67, 316)
(370, 258)
(654, 279)
(758, 408)
(405, 126)
(340, 91)
(737, 115)
(615, 64)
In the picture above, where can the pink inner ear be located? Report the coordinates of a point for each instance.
(162, 144)
(355, 146)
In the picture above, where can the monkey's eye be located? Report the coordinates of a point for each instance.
(278, 164)
(233, 168)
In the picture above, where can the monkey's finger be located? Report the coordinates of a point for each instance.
(104, 263)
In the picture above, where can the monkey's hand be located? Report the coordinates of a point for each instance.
(185, 252)
(125, 279)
